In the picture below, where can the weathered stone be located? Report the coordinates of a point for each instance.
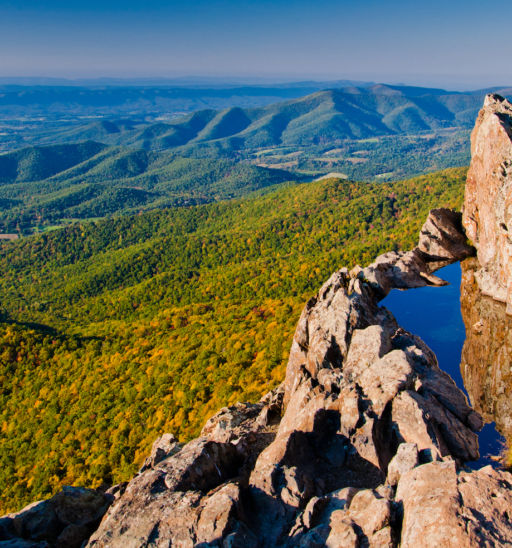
(67, 519)
(487, 214)
(487, 353)
(406, 459)
(430, 503)
(342, 532)
(371, 512)
(441, 508)
(442, 237)
(441, 242)
(165, 446)
(486, 506)
(218, 515)
(165, 503)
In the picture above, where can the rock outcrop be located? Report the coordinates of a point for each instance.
(366, 441)
(364, 434)
(487, 215)
(64, 521)
(444, 508)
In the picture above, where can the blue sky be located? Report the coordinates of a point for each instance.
(450, 43)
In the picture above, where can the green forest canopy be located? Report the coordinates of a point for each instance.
(116, 331)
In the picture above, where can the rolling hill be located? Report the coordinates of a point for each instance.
(115, 331)
(40, 186)
(324, 116)
(328, 116)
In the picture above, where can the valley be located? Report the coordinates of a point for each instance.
(118, 330)
(56, 170)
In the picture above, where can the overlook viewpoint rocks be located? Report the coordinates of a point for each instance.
(487, 215)
(363, 444)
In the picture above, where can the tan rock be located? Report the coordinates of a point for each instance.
(163, 447)
(441, 508)
(430, 506)
(487, 210)
(342, 532)
(486, 506)
(487, 353)
(219, 514)
(405, 460)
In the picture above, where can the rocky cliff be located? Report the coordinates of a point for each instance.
(487, 212)
(365, 443)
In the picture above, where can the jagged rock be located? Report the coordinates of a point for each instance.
(406, 459)
(165, 446)
(164, 504)
(345, 518)
(441, 242)
(488, 198)
(486, 506)
(442, 237)
(349, 354)
(441, 508)
(65, 520)
(306, 465)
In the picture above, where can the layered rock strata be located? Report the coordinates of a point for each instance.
(487, 215)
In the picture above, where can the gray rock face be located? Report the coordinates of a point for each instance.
(364, 407)
(64, 521)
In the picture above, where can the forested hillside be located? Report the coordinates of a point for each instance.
(322, 117)
(45, 185)
(83, 169)
(116, 331)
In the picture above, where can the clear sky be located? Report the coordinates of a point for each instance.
(449, 43)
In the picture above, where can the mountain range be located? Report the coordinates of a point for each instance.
(92, 169)
(322, 117)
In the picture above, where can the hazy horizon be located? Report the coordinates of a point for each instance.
(456, 45)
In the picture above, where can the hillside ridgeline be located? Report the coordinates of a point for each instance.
(47, 185)
(363, 443)
(116, 331)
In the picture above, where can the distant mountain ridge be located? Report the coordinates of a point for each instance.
(120, 165)
(324, 116)
(321, 117)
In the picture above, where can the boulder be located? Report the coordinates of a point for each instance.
(165, 503)
(444, 508)
(406, 459)
(66, 520)
(163, 447)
